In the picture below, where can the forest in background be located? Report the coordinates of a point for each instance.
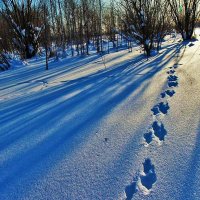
(28, 25)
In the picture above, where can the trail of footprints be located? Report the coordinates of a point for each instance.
(144, 180)
(157, 130)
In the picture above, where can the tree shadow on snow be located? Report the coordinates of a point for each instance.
(91, 98)
(190, 189)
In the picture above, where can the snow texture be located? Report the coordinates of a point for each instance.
(116, 127)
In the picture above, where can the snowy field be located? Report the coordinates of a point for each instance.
(109, 128)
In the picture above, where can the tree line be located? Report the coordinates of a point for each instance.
(26, 25)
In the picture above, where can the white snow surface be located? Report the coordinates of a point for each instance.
(77, 130)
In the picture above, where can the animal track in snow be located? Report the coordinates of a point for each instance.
(176, 65)
(172, 78)
(148, 178)
(143, 182)
(131, 189)
(161, 107)
(157, 133)
(155, 110)
(171, 71)
(172, 83)
(148, 136)
(159, 130)
(170, 93)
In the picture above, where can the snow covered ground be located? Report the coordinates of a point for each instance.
(129, 129)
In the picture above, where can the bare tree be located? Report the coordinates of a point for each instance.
(77, 23)
(185, 14)
(145, 21)
(23, 18)
(46, 34)
(109, 21)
